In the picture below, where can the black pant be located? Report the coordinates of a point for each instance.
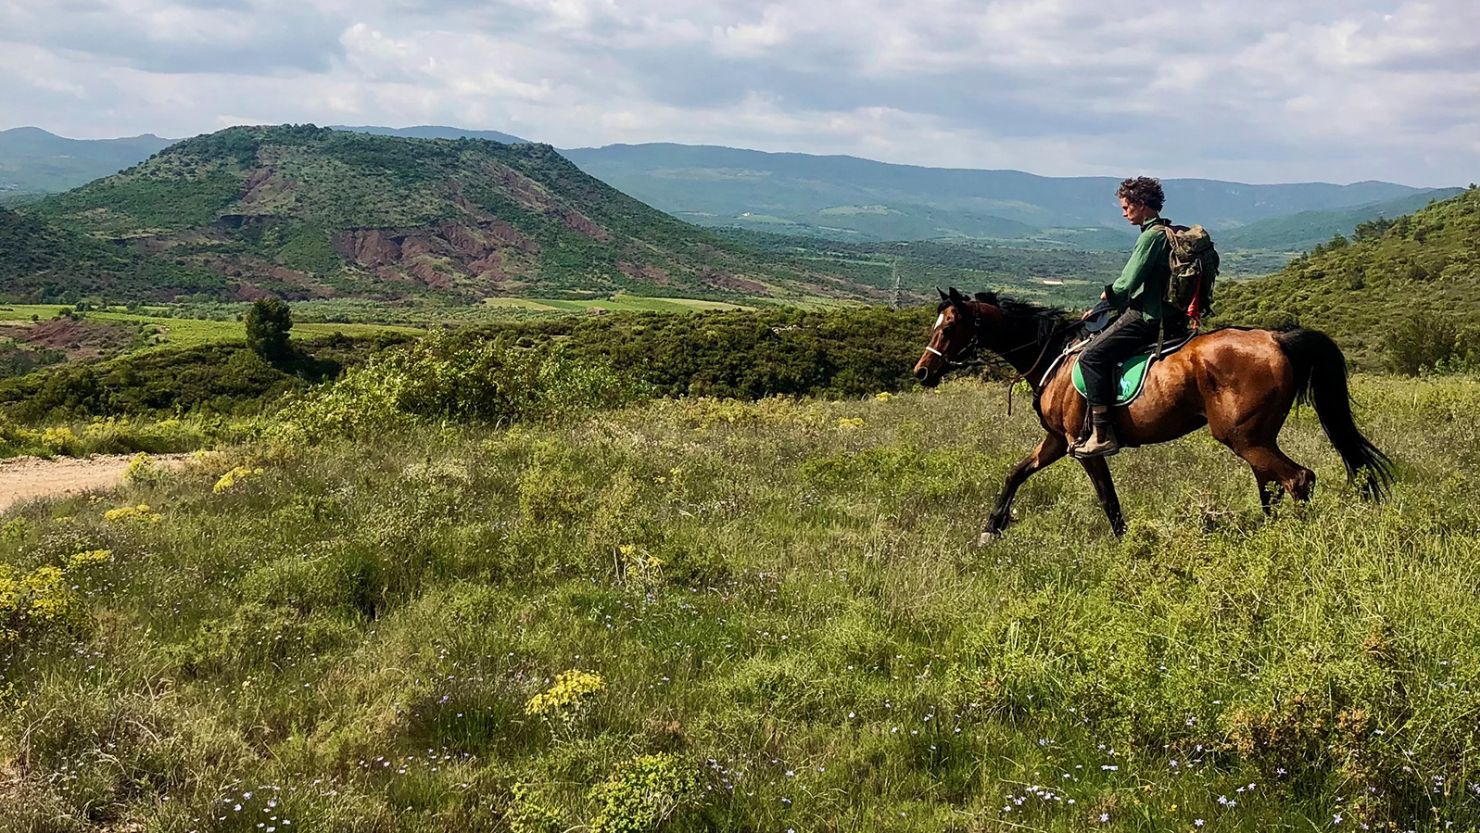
(1126, 336)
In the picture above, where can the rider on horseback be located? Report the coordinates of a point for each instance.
(1139, 293)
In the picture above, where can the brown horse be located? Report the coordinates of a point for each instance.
(1239, 382)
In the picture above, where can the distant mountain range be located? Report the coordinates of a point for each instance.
(35, 161)
(306, 212)
(850, 198)
(845, 198)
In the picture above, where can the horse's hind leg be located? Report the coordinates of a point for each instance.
(1252, 436)
(1049, 449)
(1270, 466)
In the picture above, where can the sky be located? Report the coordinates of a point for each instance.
(1222, 89)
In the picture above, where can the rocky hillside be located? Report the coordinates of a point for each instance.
(40, 261)
(1422, 267)
(305, 212)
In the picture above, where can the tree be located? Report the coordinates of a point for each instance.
(268, 323)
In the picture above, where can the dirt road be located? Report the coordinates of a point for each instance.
(25, 478)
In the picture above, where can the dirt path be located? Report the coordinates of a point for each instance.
(26, 478)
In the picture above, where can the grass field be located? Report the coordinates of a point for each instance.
(706, 615)
(170, 332)
(366, 318)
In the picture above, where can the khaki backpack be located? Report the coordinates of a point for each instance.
(1194, 264)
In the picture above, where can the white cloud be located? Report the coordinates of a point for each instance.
(1325, 89)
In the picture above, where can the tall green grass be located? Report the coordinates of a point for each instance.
(787, 627)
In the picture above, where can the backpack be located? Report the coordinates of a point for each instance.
(1194, 264)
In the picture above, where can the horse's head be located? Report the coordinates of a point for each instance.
(957, 325)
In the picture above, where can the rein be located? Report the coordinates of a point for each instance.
(1033, 368)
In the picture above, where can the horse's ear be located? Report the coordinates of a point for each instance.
(987, 298)
(956, 297)
(942, 292)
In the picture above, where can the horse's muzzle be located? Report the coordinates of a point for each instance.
(927, 378)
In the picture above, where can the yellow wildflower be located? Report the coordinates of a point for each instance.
(123, 514)
(140, 469)
(236, 475)
(884, 396)
(58, 439)
(570, 690)
(88, 559)
(850, 423)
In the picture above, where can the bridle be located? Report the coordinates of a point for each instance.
(965, 349)
(1025, 375)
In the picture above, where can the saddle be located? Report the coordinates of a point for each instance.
(1131, 373)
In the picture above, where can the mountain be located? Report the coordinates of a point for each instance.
(1419, 272)
(1304, 230)
(305, 212)
(847, 196)
(35, 161)
(428, 131)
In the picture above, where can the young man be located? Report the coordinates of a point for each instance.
(1138, 293)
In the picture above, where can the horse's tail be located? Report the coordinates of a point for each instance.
(1320, 379)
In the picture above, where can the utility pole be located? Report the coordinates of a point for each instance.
(898, 297)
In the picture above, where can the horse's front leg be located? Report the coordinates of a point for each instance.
(1049, 449)
(1099, 474)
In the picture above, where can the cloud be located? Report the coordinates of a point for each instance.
(1324, 89)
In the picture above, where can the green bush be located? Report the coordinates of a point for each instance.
(446, 378)
(1426, 342)
(643, 795)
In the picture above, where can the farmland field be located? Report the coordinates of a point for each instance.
(701, 614)
(171, 332)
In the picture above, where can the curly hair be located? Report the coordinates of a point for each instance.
(1143, 190)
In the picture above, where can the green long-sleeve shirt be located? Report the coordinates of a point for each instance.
(1143, 281)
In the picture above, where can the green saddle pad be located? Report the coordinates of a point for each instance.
(1130, 377)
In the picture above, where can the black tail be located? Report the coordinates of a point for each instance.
(1320, 379)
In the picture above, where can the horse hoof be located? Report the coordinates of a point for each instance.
(988, 537)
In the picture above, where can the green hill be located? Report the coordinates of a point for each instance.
(304, 212)
(1423, 267)
(40, 261)
(1303, 231)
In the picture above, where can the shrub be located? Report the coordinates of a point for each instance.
(442, 377)
(43, 597)
(1424, 342)
(643, 794)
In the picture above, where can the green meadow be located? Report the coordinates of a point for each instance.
(167, 331)
(705, 614)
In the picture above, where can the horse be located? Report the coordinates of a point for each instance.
(1241, 382)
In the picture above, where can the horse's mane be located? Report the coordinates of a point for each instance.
(1047, 319)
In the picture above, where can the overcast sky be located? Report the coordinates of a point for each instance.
(1250, 91)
